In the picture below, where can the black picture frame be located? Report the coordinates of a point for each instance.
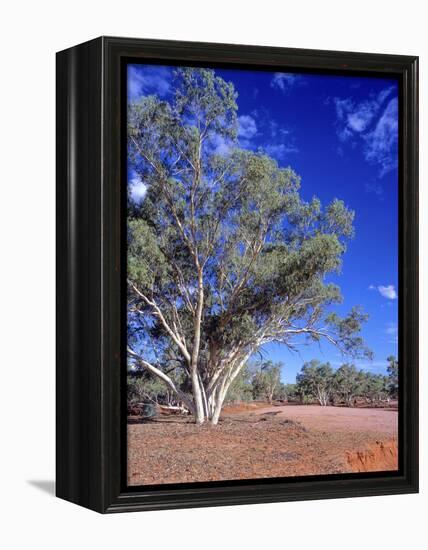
(91, 409)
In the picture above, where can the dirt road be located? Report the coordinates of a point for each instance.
(339, 418)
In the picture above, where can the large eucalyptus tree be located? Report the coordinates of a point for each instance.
(224, 256)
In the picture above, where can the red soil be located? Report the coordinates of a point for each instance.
(243, 407)
(381, 455)
(339, 418)
(259, 441)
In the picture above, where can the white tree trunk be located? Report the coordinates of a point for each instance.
(218, 405)
(197, 398)
(216, 415)
(207, 399)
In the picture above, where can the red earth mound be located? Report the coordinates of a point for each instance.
(379, 456)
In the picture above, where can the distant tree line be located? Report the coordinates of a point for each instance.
(316, 382)
(319, 382)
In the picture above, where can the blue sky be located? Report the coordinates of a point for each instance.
(339, 133)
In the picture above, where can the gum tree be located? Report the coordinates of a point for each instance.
(316, 379)
(374, 387)
(267, 380)
(349, 383)
(224, 256)
(392, 371)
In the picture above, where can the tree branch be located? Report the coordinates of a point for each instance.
(159, 374)
(157, 313)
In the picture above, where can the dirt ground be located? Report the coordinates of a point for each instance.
(260, 441)
(339, 418)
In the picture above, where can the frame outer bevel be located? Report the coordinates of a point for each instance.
(79, 468)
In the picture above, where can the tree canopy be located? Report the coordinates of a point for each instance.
(316, 379)
(392, 371)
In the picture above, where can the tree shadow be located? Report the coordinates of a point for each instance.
(160, 420)
(140, 420)
(47, 486)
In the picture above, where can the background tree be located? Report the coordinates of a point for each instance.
(316, 380)
(374, 387)
(289, 392)
(241, 388)
(392, 371)
(143, 387)
(348, 382)
(267, 380)
(224, 256)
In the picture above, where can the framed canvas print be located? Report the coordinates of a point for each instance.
(237, 311)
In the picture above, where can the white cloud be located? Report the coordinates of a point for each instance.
(277, 131)
(392, 333)
(374, 188)
(388, 292)
(260, 131)
(344, 134)
(138, 190)
(247, 127)
(280, 150)
(343, 106)
(284, 81)
(279, 142)
(373, 124)
(391, 328)
(219, 145)
(385, 93)
(361, 118)
(357, 116)
(148, 79)
(383, 139)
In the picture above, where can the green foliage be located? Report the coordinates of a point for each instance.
(206, 102)
(267, 380)
(306, 399)
(374, 387)
(143, 387)
(289, 392)
(146, 263)
(241, 388)
(348, 329)
(349, 383)
(316, 381)
(261, 381)
(392, 370)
